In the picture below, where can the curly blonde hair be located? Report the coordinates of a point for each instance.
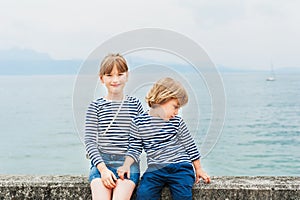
(112, 60)
(166, 89)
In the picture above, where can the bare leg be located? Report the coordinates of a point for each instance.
(99, 191)
(123, 190)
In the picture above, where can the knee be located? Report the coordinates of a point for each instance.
(141, 190)
(146, 193)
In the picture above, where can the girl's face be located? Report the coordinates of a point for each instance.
(170, 109)
(115, 81)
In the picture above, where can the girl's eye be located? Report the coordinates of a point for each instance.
(121, 74)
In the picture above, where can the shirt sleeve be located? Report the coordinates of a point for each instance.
(91, 131)
(140, 108)
(188, 141)
(135, 142)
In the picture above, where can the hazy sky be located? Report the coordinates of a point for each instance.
(240, 34)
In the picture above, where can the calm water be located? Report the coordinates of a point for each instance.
(261, 134)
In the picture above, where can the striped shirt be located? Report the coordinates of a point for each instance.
(164, 142)
(99, 115)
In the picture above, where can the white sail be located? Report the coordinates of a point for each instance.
(271, 77)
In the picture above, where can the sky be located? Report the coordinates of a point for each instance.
(235, 33)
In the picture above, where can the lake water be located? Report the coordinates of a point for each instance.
(261, 133)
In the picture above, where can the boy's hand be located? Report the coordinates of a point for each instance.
(107, 177)
(124, 170)
(199, 172)
(202, 174)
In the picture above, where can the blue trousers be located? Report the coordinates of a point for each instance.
(179, 177)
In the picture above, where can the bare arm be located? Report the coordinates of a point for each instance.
(107, 177)
(199, 172)
(125, 169)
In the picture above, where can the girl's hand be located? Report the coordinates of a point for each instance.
(202, 174)
(107, 177)
(124, 170)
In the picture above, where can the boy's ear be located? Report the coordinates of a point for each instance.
(127, 76)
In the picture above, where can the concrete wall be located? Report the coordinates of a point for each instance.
(77, 187)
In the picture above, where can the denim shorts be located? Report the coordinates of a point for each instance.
(113, 162)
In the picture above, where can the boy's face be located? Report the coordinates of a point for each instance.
(170, 108)
(115, 81)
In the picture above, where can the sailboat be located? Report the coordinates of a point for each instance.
(271, 77)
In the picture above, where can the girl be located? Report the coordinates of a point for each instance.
(107, 132)
(172, 156)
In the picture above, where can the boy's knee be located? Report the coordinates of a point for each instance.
(144, 193)
(141, 191)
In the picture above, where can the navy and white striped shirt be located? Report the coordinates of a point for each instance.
(164, 142)
(99, 115)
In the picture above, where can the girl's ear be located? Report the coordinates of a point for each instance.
(101, 78)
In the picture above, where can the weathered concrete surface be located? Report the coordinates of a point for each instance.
(249, 188)
(44, 187)
(77, 187)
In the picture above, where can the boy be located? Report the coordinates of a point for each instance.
(172, 156)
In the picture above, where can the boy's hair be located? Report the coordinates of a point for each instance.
(166, 89)
(112, 60)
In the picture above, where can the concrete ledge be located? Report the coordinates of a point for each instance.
(77, 187)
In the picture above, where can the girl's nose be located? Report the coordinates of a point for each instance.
(115, 78)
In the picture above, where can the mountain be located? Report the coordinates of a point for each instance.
(29, 62)
(287, 70)
(22, 54)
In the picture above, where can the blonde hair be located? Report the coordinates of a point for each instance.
(112, 60)
(166, 89)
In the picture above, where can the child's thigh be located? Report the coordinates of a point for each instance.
(150, 186)
(181, 182)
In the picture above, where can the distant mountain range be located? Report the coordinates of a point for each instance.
(22, 54)
(30, 62)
